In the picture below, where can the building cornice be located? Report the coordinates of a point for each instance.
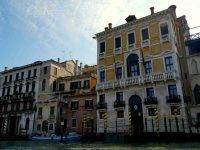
(170, 11)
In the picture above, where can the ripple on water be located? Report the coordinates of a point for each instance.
(34, 145)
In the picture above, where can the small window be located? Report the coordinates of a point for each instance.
(43, 84)
(119, 96)
(45, 70)
(51, 126)
(102, 98)
(10, 78)
(17, 77)
(40, 111)
(88, 104)
(61, 111)
(117, 42)
(38, 127)
(75, 85)
(135, 70)
(101, 114)
(52, 109)
(150, 92)
(27, 86)
(102, 47)
(120, 114)
(8, 90)
(61, 87)
(102, 76)
(169, 63)
(164, 29)
(20, 88)
(119, 73)
(172, 89)
(33, 86)
(145, 34)
(175, 110)
(131, 38)
(198, 117)
(29, 73)
(86, 84)
(22, 75)
(55, 71)
(6, 79)
(73, 122)
(54, 86)
(152, 111)
(148, 67)
(74, 105)
(35, 73)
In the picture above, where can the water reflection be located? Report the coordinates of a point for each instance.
(32, 145)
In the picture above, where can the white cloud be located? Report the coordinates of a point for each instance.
(70, 24)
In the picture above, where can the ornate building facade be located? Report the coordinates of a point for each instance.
(139, 86)
(22, 89)
(79, 94)
(193, 59)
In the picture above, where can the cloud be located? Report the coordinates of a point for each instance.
(70, 24)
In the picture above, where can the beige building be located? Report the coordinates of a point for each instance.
(24, 91)
(48, 106)
(139, 86)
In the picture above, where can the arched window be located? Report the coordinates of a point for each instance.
(196, 92)
(133, 65)
(43, 84)
(194, 67)
(27, 124)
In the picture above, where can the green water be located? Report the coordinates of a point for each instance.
(30, 145)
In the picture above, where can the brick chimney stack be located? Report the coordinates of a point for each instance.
(152, 10)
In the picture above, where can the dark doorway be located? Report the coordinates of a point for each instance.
(45, 126)
(135, 104)
(27, 124)
(12, 125)
(1, 125)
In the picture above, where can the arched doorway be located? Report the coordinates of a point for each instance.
(135, 104)
(27, 124)
(45, 126)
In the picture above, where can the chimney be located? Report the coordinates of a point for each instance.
(81, 66)
(6, 68)
(58, 60)
(152, 10)
(110, 26)
(106, 28)
(130, 18)
(76, 68)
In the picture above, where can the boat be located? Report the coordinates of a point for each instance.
(73, 137)
(48, 138)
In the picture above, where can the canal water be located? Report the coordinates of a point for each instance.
(32, 145)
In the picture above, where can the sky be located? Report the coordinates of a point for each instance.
(32, 30)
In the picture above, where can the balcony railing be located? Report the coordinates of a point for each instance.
(102, 105)
(88, 106)
(119, 103)
(151, 100)
(138, 80)
(173, 99)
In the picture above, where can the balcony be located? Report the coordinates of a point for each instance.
(119, 103)
(102, 105)
(165, 38)
(151, 100)
(31, 78)
(173, 99)
(89, 107)
(138, 80)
